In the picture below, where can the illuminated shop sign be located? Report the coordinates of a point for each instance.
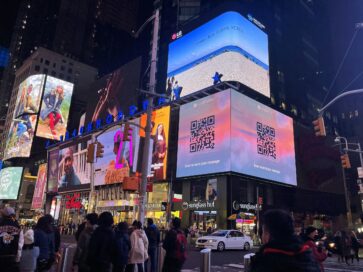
(200, 205)
(245, 206)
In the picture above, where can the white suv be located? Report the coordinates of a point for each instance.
(225, 239)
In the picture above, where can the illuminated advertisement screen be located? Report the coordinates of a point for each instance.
(113, 93)
(20, 138)
(10, 179)
(123, 160)
(53, 171)
(228, 131)
(29, 95)
(73, 171)
(39, 191)
(227, 48)
(55, 106)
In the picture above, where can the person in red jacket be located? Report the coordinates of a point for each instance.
(318, 253)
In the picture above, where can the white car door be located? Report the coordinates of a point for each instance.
(233, 239)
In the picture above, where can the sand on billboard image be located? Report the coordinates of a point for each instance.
(20, 137)
(227, 48)
(55, 107)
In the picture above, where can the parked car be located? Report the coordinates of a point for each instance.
(225, 239)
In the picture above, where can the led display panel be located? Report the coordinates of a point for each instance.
(29, 95)
(10, 179)
(56, 102)
(227, 48)
(39, 191)
(123, 160)
(20, 137)
(229, 132)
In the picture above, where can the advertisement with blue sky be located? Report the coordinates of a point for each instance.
(230, 45)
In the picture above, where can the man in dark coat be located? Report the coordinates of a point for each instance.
(102, 246)
(282, 250)
(153, 235)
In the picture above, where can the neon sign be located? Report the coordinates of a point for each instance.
(118, 138)
(72, 202)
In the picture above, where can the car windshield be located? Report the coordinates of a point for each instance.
(219, 233)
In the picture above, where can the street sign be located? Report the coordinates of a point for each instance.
(360, 172)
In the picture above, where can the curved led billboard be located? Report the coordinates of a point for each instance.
(56, 102)
(230, 132)
(227, 48)
(10, 179)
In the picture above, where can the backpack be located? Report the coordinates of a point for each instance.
(181, 246)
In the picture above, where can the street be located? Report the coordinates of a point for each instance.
(229, 260)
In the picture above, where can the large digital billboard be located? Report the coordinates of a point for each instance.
(20, 137)
(39, 192)
(227, 48)
(228, 131)
(115, 92)
(123, 160)
(10, 179)
(29, 95)
(56, 102)
(73, 170)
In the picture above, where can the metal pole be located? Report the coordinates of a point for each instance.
(170, 199)
(152, 80)
(360, 154)
(347, 199)
(205, 262)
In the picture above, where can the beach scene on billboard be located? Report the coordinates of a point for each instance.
(56, 102)
(10, 179)
(73, 171)
(229, 131)
(110, 90)
(123, 160)
(227, 48)
(20, 138)
(39, 191)
(29, 95)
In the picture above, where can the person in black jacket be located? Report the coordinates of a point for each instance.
(282, 250)
(44, 239)
(9, 240)
(153, 235)
(102, 246)
(123, 246)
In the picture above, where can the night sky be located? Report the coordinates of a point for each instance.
(8, 13)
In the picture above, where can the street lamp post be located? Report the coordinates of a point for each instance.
(152, 81)
(346, 194)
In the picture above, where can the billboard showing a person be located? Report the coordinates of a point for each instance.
(55, 108)
(39, 192)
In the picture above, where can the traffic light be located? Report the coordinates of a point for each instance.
(319, 126)
(91, 153)
(127, 133)
(99, 151)
(345, 161)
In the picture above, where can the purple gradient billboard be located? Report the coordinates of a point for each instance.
(228, 131)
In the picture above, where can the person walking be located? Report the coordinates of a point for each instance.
(355, 246)
(44, 239)
(10, 240)
(123, 246)
(175, 245)
(153, 235)
(80, 256)
(310, 236)
(282, 250)
(139, 245)
(339, 246)
(30, 253)
(346, 246)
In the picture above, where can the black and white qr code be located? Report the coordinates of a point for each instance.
(202, 134)
(266, 144)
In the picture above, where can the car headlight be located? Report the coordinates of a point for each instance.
(212, 241)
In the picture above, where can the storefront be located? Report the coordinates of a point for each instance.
(70, 208)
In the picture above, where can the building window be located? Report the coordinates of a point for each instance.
(71, 63)
(37, 68)
(54, 65)
(45, 71)
(61, 76)
(62, 68)
(53, 73)
(41, 60)
(64, 61)
(46, 62)
(69, 78)
(70, 70)
(356, 113)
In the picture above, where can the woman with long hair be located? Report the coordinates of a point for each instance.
(159, 152)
